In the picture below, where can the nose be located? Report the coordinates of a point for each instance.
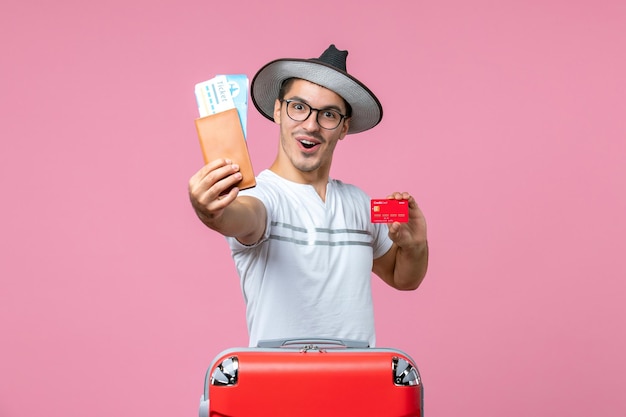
(310, 123)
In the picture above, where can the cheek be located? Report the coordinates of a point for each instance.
(332, 144)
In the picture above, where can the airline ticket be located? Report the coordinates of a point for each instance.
(224, 92)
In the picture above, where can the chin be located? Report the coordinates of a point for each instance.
(306, 164)
(306, 168)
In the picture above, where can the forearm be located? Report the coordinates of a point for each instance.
(410, 268)
(243, 219)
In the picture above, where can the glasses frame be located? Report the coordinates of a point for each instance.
(311, 109)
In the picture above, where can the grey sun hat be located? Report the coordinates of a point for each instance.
(329, 71)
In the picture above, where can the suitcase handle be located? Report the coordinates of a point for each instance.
(313, 343)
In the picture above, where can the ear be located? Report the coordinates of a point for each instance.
(344, 128)
(277, 107)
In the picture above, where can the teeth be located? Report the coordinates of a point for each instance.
(307, 144)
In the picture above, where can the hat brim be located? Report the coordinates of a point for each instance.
(367, 111)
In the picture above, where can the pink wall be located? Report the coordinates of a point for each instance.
(505, 119)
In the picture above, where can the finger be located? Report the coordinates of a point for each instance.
(212, 166)
(224, 185)
(396, 233)
(197, 178)
(214, 197)
(223, 200)
(412, 202)
(211, 174)
(399, 195)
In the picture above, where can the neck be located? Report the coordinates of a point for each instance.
(318, 178)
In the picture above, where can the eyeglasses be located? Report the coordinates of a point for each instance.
(327, 118)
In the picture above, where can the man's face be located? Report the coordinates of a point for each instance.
(306, 144)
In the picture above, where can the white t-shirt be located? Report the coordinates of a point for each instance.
(310, 275)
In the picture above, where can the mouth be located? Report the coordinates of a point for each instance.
(308, 144)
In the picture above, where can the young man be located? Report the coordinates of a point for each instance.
(303, 243)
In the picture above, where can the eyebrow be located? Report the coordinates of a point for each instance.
(331, 107)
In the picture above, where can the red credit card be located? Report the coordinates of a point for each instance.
(390, 210)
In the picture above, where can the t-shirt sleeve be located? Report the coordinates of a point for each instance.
(262, 195)
(382, 242)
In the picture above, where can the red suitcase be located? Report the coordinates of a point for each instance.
(302, 378)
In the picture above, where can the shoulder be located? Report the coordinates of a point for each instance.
(266, 183)
(269, 189)
(349, 190)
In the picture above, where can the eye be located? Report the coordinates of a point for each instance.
(330, 115)
(298, 107)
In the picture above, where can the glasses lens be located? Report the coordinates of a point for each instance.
(328, 119)
(298, 111)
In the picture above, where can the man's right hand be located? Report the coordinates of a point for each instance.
(215, 199)
(212, 189)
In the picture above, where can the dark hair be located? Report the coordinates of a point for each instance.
(286, 85)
